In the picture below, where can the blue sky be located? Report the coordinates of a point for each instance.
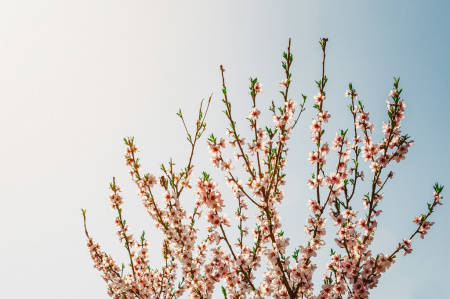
(78, 76)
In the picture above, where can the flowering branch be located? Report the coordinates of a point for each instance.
(352, 270)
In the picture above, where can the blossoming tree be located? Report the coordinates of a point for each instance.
(196, 268)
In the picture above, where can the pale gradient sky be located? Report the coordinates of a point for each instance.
(78, 76)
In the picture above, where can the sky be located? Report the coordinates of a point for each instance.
(76, 77)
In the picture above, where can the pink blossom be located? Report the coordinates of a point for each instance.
(283, 82)
(315, 127)
(323, 116)
(254, 113)
(258, 87)
(319, 98)
(226, 166)
(393, 93)
(417, 219)
(437, 198)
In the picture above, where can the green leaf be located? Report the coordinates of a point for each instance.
(224, 292)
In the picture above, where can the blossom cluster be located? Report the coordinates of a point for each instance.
(201, 265)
